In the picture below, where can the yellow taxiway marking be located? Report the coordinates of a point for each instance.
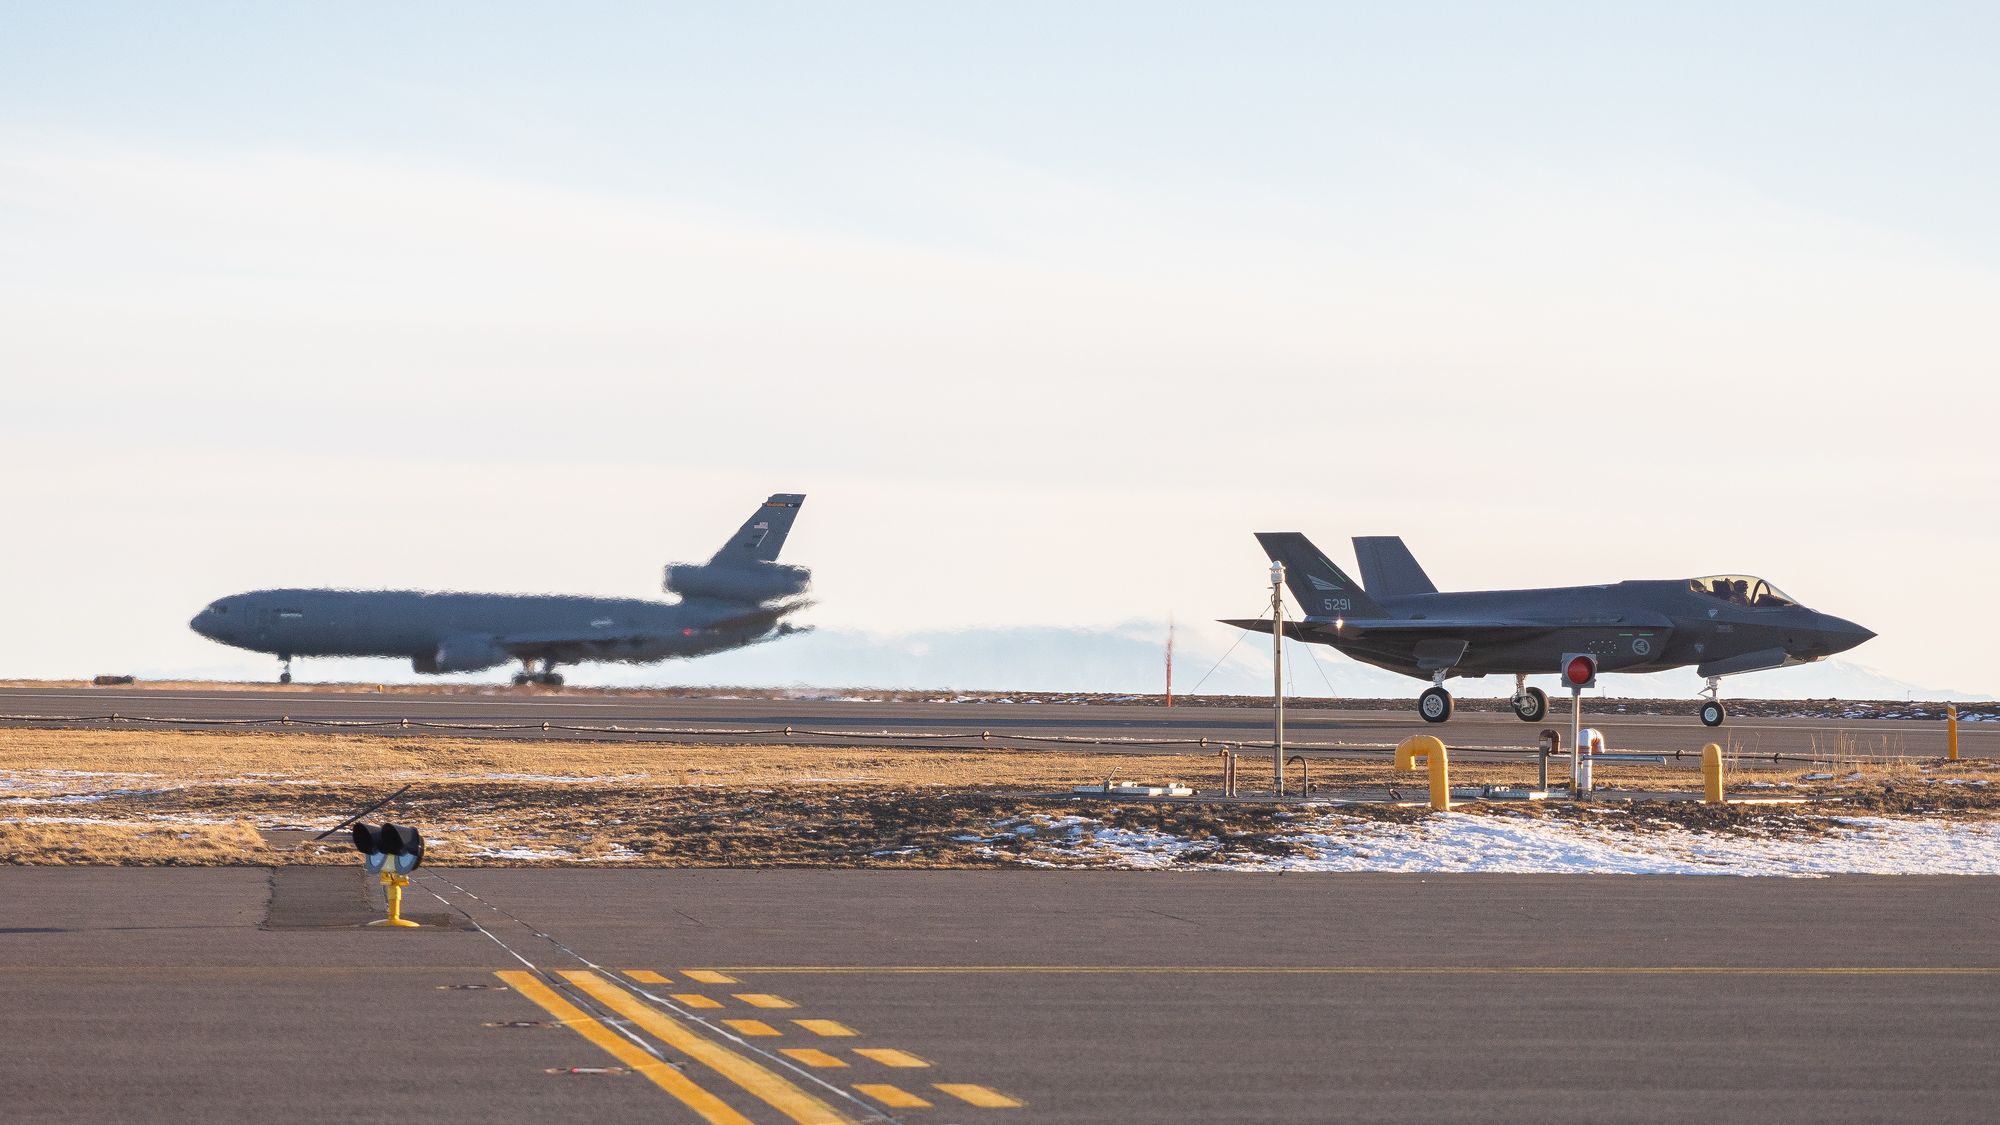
(832, 1029)
(767, 1085)
(1367, 970)
(895, 1097)
(708, 976)
(752, 1027)
(812, 1056)
(764, 1000)
(711, 1108)
(647, 976)
(890, 1056)
(981, 1096)
(696, 1000)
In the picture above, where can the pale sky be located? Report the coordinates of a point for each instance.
(1046, 307)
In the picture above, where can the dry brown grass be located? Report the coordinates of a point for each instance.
(124, 797)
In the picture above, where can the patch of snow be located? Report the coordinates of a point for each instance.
(522, 852)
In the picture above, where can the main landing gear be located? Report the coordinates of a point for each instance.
(1530, 703)
(1435, 703)
(285, 670)
(547, 677)
(1713, 713)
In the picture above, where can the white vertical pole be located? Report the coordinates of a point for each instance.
(1278, 678)
(1575, 740)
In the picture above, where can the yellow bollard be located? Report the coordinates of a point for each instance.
(1711, 774)
(1432, 751)
(1951, 731)
(394, 885)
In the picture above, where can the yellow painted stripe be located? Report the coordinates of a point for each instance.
(696, 1000)
(711, 1108)
(812, 1056)
(890, 1056)
(894, 1097)
(708, 976)
(1340, 970)
(981, 1096)
(832, 1029)
(764, 1000)
(767, 1085)
(647, 976)
(752, 1027)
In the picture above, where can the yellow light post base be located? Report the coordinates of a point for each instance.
(393, 885)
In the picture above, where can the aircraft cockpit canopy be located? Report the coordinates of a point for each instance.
(1743, 590)
(218, 607)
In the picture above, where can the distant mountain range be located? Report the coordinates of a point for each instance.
(1210, 659)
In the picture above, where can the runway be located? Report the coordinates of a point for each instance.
(1123, 726)
(241, 995)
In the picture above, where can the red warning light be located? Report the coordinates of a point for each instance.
(1580, 671)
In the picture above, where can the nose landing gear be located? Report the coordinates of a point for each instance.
(1530, 703)
(285, 670)
(1713, 713)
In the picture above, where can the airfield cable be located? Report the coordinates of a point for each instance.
(1240, 634)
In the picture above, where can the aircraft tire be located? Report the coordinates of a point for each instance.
(1434, 705)
(1537, 706)
(553, 679)
(1713, 713)
(284, 677)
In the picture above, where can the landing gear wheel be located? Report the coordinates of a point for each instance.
(1713, 713)
(1531, 705)
(522, 679)
(284, 677)
(552, 679)
(1434, 705)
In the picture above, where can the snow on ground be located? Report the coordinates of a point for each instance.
(1461, 842)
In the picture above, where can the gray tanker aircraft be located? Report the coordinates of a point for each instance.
(739, 597)
(1723, 624)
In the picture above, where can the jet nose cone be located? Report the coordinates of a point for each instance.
(1842, 634)
(203, 623)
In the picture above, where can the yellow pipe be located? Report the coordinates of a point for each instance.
(1432, 751)
(1951, 731)
(1711, 774)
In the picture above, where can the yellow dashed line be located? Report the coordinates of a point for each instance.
(812, 1056)
(894, 1097)
(711, 1108)
(980, 1096)
(708, 976)
(696, 1000)
(890, 1056)
(773, 1089)
(752, 1027)
(647, 976)
(832, 1029)
(762, 1000)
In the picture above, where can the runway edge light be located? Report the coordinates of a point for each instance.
(1579, 670)
(393, 850)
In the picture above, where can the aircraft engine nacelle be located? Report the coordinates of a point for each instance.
(462, 654)
(752, 585)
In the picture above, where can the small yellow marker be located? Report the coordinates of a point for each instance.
(812, 1056)
(763, 1000)
(697, 1000)
(708, 976)
(1711, 775)
(832, 1029)
(980, 1095)
(890, 1056)
(895, 1097)
(752, 1027)
(647, 976)
(1951, 731)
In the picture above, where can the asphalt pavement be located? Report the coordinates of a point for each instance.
(1122, 726)
(228, 995)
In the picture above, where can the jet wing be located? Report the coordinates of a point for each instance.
(1327, 628)
(575, 644)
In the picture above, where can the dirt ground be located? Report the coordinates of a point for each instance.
(144, 797)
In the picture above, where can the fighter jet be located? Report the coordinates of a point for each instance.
(741, 596)
(1723, 624)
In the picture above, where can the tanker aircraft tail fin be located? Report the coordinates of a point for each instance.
(763, 534)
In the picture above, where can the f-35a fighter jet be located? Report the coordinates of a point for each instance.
(1723, 624)
(739, 597)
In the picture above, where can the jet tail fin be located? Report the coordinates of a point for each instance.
(1388, 568)
(763, 534)
(1320, 587)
